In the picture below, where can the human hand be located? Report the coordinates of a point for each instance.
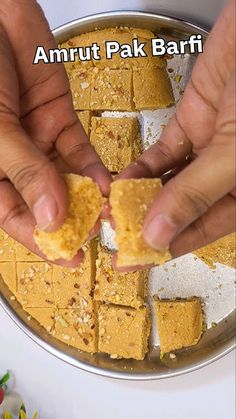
(197, 205)
(40, 134)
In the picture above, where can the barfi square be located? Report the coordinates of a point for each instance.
(85, 119)
(80, 83)
(73, 287)
(180, 323)
(112, 90)
(120, 35)
(82, 40)
(117, 141)
(34, 284)
(130, 200)
(44, 316)
(152, 89)
(7, 247)
(123, 331)
(77, 328)
(128, 289)
(8, 274)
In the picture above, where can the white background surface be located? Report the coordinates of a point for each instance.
(63, 392)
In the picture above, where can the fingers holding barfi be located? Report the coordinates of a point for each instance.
(17, 220)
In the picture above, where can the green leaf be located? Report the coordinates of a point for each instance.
(4, 379)
(22, 415)
(23, 408)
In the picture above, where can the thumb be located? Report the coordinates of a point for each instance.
(190, 194)
(34, 177)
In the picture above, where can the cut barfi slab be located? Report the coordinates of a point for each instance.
(25, 255)
(34, 284)
(7, 247)
(85, 206)
(73, 287)
(80, 83)
(116, 140)
(128, 289)
(152, 89)
(130, 200)
(8, 274)
(180, 323)
(85, 119)
(44, 316)
(123, 331)
(112, 90)
(77, 328)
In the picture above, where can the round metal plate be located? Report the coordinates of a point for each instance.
(217, 341)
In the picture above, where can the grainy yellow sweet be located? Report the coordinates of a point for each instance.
(34, 284)
(111, 90)
(221, 251)
(130, 200)
(77, 327)
(128, 289)
(73, 287)
(123, 331)
(123, 36)
(8, 274)
(25, 255)
(82, 40)
(7, 247)
(180, 323)
(85, 206)
(85, 119)
(117, 141)
(80, 83)
(44, 316)
(152, 89)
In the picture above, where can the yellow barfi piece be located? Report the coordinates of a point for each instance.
(123, 331)
(8, 274)
(44, 316)
(180, 323)
(125, 36)
(34, 284)
(80, 83)
(85, 206)
(77, 328)
(7, 247)
(25, 255)
(117, 141)
(128, 289)
(221, 251)
(130, 200)
(82, 40)
(85, 119)
(112, 90)
(73, 287)
(152, 89)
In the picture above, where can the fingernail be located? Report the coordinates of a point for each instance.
(45, 211)
(160, 232)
